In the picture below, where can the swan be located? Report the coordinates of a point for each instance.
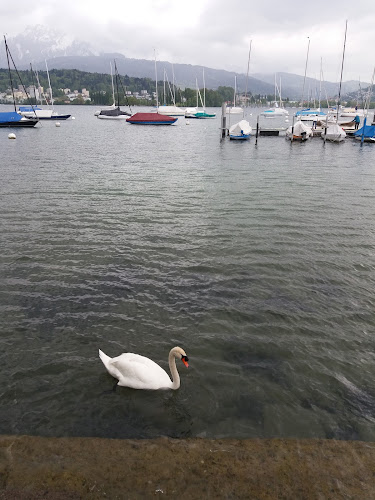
(139, 372)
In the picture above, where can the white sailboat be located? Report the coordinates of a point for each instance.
(170, 110)
(201, 114)
(332, 131)
(41, 113)
(277, 109)
(234, 110)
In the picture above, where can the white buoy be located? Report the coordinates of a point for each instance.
(12, 136)
(73, 117)
(187, 122)
(57, 124)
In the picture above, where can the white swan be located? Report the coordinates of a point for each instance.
(138, 372)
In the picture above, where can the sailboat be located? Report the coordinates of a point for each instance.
(278, 109)
(42, 114)
(367, 132)
(234, 110)
(170, 110)
(332, 131)
(12, 118)
(203, 113)
(114, 113)
(152, 118)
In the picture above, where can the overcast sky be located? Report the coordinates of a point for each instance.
(216, 33)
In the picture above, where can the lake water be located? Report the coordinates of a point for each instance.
(258, 260)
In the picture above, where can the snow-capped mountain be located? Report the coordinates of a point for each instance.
(39, 42)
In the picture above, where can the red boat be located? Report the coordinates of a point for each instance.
(151, 119)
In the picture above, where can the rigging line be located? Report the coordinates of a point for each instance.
(10, 74)
(126, 97)
(19, 76)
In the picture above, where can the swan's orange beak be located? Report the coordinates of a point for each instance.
(185, 360)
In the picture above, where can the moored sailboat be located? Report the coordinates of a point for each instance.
(12, 118)
(114, 112)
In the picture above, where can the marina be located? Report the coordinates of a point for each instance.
(256, 259)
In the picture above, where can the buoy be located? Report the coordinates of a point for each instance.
(187, 122)
(12, 136)
(57, 124)
(97, 113)
(73, 118)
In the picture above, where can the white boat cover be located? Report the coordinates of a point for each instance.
(334, 133)
(240, 129)
(300, 131)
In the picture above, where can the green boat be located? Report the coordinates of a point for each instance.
(203, 114)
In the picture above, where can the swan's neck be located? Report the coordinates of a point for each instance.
(174, 372)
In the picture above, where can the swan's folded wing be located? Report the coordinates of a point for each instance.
(140, 372)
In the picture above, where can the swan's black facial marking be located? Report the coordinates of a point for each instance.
(185, 360)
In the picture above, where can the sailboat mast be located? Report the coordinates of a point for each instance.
(113, 87)
(49, 83)
(320, 82)
(247, 73)
(196, 84)
(10, 74)
(156, 82)
(342, 69)
(304, 78)
(204, 92)
(116, 76)
(235, 90)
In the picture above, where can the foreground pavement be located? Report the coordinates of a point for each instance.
(32, 468)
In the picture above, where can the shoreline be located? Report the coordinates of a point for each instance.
(195, 468)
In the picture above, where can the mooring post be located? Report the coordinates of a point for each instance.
(223, 120)
(257, 131)
(291, 140)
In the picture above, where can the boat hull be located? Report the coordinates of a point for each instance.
(244, 137)
(28, 123)
(13, 119)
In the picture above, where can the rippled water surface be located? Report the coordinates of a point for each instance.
(257, 260)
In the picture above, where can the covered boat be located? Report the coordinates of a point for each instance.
(368, 133)
(113, 114)
(333, 132)
(240, 131)
(151, 119)
(298, 132)
(14, 119)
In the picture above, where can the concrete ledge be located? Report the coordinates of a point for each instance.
(73, 468)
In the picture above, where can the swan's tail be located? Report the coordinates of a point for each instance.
(105, 359)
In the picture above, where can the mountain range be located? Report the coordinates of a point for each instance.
(38, 44)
